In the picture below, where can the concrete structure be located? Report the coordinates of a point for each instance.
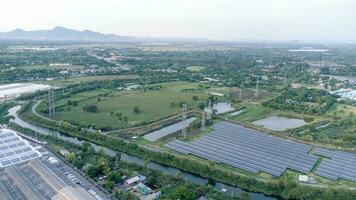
(303, 178)
(132, 180)
(73, 193)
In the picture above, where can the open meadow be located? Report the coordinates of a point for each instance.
(121, 109)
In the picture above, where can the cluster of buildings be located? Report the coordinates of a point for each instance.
(136, 185)
(345, 94)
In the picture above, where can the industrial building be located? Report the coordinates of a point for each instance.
(14, 90)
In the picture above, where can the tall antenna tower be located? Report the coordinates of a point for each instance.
(241, 86)
(51, 110)
(203, 121)
(256, 91)
(285, 79)
(350, 77)
(184, 120)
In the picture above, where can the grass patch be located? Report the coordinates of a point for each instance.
(84, 79)
(116, 105)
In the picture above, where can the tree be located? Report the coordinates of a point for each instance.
(71, 156)
(137, 109)
(182, 193)
(104, 165)
(75, 103)
(109, 185)
(90, 108)
(92, 171)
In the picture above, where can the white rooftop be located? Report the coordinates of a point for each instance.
(14, 149)
(16, 89)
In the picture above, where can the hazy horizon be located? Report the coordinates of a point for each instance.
(210, 19)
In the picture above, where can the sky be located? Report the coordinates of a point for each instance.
(211, 19)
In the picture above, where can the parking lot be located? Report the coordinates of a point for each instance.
(42, 179)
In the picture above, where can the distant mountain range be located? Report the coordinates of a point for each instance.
(63, 34)
(59, 34)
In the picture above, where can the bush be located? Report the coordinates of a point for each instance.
(90, 108)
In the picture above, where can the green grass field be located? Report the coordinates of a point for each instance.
(84, 79)
(252, 113)
(342, 111)
(153, 105)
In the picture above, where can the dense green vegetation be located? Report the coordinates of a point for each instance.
(4, 107)
(303, 101)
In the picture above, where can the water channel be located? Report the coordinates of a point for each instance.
(230, 190)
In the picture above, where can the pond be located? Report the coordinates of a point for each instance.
(279, 123)
(220, 107)
(156, 135)
(192, 178)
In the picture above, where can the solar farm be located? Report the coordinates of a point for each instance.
(26, 173)
(15, 150)
(340, 165)
(255, 152)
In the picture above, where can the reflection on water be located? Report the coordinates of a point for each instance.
(220, 107)
(156, 135)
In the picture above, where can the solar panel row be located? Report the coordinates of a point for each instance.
(14, 150)
(340, 165)
(248, 149)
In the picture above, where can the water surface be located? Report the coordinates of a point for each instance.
(220, 107)
(278, 123)
(156, 135)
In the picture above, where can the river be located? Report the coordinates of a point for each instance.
(192, 178)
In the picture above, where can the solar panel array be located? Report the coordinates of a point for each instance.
(249, 150)
(340, 165)
(14, 150)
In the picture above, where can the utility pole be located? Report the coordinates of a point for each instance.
(51, 110)
(241, 86)
(184, 120)
(49, 103)
(256, 91)
(203, 122)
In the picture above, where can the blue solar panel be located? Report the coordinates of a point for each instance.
(339, 165)
(249, 150)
